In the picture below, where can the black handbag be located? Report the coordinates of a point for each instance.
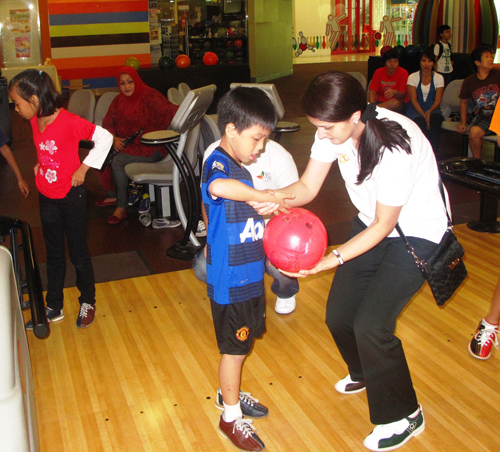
(445, 269)
(113, 151)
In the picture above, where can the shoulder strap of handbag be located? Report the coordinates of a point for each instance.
(410, 248)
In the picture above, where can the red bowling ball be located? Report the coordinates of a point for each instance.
(210, 59)
(295, 241)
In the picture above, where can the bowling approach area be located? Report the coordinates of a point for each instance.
(144, 376)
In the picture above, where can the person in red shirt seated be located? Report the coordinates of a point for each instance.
(388, 85)
(137, 108)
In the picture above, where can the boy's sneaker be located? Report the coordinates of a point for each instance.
(52, 316)
(145, 204)
(394, 435)
(484, 338)
(348, 386)
(145, 219)
(285, 306)
(134, 194)
(242, 434)
(201, 230)
(250, 406)
(161, 223)
(86, 316)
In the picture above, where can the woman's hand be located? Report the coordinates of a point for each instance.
(427, 118)
(35, 168)
(118, 143)
(461, 128)
(327, 262)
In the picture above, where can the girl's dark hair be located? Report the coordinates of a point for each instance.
(335, 97)
(429, 54)
(246, 107)
(31, 83)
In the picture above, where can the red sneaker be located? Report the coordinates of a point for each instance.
(86, 315)
(484, 338)
(242, 434)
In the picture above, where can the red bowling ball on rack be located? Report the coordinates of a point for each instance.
(295, 241)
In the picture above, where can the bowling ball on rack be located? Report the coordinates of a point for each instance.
(133, 62)
(295, 241)
(384, 49)
(183, 61)
(400, 49)
(410, 52)
(210, 59)
(166, 62)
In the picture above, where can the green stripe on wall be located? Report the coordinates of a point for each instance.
(98, 29)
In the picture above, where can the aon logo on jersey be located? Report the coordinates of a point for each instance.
(253, 230)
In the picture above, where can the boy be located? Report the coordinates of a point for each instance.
(442, 50)
(234, 251)
(274, 168)
(481, 91)
(388, 85)
(9, 156)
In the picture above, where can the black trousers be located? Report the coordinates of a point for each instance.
(367, 295)
(434, 132)
(63, 220)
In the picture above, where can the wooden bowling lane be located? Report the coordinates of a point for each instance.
(144, 376)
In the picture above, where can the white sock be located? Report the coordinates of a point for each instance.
(232, 412)
(492, 325)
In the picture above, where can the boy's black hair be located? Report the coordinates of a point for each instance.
(477, 53)
(442, 29)
(246, 107)
(31, 82)
(390, 54)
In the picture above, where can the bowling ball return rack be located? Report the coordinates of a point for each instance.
(482, 176)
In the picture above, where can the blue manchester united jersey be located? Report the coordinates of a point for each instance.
(235, 255)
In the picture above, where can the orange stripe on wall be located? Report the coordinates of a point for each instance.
(94, 7)
(92, 62)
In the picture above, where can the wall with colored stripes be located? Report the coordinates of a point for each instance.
(90, 40)
(472, 22)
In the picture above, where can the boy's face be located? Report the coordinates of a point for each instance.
(486, 61)
(246, 146)
(391, 65)
(446, 34)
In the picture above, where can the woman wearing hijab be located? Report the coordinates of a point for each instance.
(137, 108)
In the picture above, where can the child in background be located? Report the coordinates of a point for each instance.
(234, 252)
(9, 156)
(59, 178)
(442, 50)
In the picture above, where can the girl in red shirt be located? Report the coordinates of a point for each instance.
(59, 178)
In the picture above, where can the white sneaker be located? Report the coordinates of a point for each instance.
(201, 230)
(394, 435)
(348, 386)
(160, 223)
(285, 305)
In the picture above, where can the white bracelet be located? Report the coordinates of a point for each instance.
(338, 256)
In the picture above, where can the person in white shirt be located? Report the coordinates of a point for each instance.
(425, 89)
(442, 50)
(274, 168)
(391, 175)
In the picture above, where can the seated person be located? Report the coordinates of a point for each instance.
(137, 107)
(425, 89)
(479, 95)
(388, 85)
(272, 169)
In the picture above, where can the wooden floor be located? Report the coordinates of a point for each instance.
(144, 376)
